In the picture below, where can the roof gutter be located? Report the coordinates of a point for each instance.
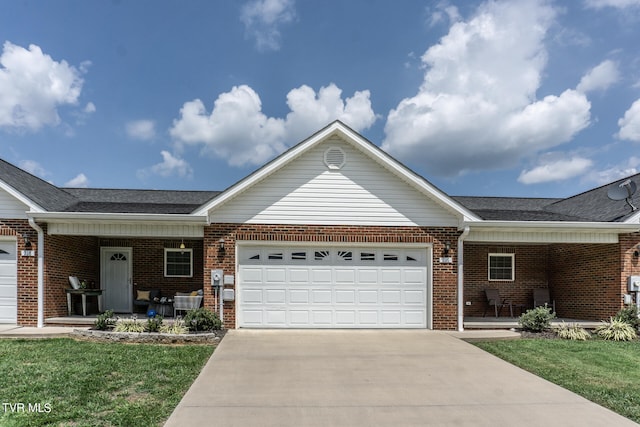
(63, 217)
(604, 227)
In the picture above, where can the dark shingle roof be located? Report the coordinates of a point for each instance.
(46, 195)
(137, 201)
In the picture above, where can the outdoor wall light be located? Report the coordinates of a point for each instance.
(447, 248)
(221, 245)
(182, 246)
(636, 253)
(27, 241)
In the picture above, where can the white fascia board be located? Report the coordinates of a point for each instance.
(33, 207)
(554, 226)
(380, 156)
(130, 218)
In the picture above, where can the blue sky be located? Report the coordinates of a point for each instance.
(497, 98)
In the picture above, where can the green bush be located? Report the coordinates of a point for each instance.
(105, 321)
(537, 319)
(573, 331)
(629, 315)
(129, 326)
(202, 319)
(177, 327)
(616, 330)
(153, 324)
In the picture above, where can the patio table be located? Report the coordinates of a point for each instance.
(84, 293)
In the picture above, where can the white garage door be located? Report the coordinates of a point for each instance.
(332, 287)
(8, 282)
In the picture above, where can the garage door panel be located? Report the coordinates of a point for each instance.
(8, 283)
(333, 287)
(299, 296)
(320, 296)
(345, 317)
(275, 275)
(252, 296)
(275, 296)
(346, 296)
(299, 275)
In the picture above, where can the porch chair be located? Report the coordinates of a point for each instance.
(494, 299)
(541, 296)
(186, 303)
(145, 297)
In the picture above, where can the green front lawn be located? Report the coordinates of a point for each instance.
(604, 372)
(64, 382)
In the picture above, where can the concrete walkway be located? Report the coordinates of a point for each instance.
(14, 331)
(365, 378)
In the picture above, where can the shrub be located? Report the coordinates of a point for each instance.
(537, 319)
(616, 330)
(202, 319)
(177, 327)
(573, 331)
(129, 326)
(629, 315)
(153, 324)
(105, 321)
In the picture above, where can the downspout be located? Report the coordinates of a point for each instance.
(36, 227)
(461, 238)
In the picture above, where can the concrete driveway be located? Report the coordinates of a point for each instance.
(373, 378)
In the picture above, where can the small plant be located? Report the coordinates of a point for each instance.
(573, 331)
(616, 330)
(129, 326)
(202, 319)
(177, 327)
(629, 315)
(105, 321)
(537, 319)
(153, 324)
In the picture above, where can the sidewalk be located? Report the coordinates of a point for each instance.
(15, 331)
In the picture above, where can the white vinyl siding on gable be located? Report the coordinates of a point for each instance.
(361, 192)
(10, 207)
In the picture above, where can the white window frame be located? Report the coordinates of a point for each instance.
(513, 267)
(189, 251)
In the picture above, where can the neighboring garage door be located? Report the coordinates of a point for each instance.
(8, 282)
(332, 287)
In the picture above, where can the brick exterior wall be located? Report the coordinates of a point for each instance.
(587, 280)
(444, 275)
(531, 264)
(27, 292)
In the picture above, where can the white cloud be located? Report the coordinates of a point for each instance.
(238, 131)
(614, 173)
(141, 129)
(444, 12)
(34, 86)
(33, 168)
(80, 181)
(630, 123)
(263, 18)
(599, 77)
(477, 107)
(555, 170)
(169, 166)
(89, 108)
(618, 4)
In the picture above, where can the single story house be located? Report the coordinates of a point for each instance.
(333, 233)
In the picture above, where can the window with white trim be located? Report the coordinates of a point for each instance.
(502, 267)
(178, 262)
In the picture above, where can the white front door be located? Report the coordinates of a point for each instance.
(115, 279)
(333, 287)
(8, 282)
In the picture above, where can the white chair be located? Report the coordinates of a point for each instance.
(185, 303)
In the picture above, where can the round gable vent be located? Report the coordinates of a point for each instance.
(335, 158)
